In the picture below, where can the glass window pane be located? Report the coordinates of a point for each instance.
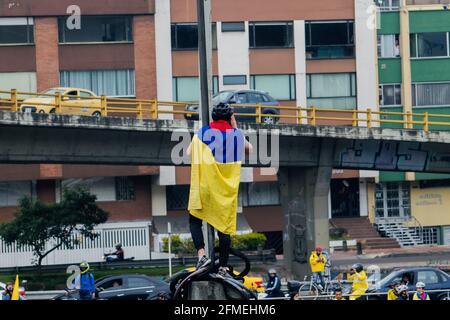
(16, 34)
(11, 192)
(271, 35)
(431, 94)
(329, 39)
(234, 80)
(432, 44)
(329, 33)
(233, 26)
(330, 85)
(185, 36)
(97, 29)
(388, 95)
(278, 86)
(102, 82)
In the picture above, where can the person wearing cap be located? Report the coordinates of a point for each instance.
(392, 293)
(273, 288)
(317, 261)
(420, 293)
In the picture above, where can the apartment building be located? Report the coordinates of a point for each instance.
(303, 53)
(413, 75)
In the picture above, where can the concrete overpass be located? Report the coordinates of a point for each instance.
(307, 156)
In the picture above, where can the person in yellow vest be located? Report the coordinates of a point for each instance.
(317, 261)
(420, 293)
(392, 293)
(360, 283)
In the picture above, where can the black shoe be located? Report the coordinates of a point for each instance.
(203, 262)
(223, 273)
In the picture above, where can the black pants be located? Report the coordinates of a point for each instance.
(195, 225)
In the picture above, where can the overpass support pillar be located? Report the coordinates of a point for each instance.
(304, 201)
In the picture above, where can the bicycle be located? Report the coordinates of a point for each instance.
(311, 290)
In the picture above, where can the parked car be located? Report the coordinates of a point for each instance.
(434, 279)
(243, 97)
(254, 283)
(88, 105)
(124, 287)
(21, 289)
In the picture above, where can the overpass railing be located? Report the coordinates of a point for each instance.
(154, 109)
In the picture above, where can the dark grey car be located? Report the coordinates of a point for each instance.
(244, 97)
(434, 279)
(124, 287)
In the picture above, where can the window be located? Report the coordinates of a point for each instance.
(233, 26)
(279, 86)
(430, 44)
(329, 39)
(138, 282)
(234, 80)
(428, 276)
(259, 194)
(103, 82)
(103, 188)
(177, 197)
(97, 29)
(390, 95)
(388, 5)
(185, 36)
(11, 192)
(392, 200)
(16, 31)
(22, 81)
(431, 94)
(187, 89)
(388, 46)
(125, 189)
(112, 284)
(334, 90)
(271, 35)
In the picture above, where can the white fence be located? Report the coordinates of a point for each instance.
(134, 237)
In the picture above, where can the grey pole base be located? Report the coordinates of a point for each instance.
(206, 290)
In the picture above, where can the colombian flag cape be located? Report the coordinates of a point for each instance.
(215, 182)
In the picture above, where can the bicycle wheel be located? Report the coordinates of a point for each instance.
(308, 291)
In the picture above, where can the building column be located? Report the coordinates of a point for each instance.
(300, 67)
(144, 56)
(304, 201)
(47, 53)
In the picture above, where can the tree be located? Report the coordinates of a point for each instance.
(36, 223)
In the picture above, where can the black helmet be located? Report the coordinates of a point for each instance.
(222, 111)
(358, 267)
(118, 246)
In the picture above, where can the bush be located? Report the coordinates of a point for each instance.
(243, 242)
(179, 246)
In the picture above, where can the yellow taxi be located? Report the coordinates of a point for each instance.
(74, 101)
(253, 283)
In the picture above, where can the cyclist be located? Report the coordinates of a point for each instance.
(360, 283)
(338, 294)
(85, 282)
(402, 292)
(317, 261)
(392, 293)
(420, 293)
(274, 285)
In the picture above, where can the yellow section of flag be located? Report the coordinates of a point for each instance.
(214, 188)
(15, 294)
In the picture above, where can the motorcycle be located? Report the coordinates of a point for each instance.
(110, 254)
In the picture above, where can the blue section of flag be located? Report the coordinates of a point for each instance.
(226, 146)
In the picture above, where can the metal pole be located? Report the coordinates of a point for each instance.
(205, 77)
(169, 231)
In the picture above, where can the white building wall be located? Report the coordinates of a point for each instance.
(363, 204)
(300, 64)
(163, 55)
(233, 56)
